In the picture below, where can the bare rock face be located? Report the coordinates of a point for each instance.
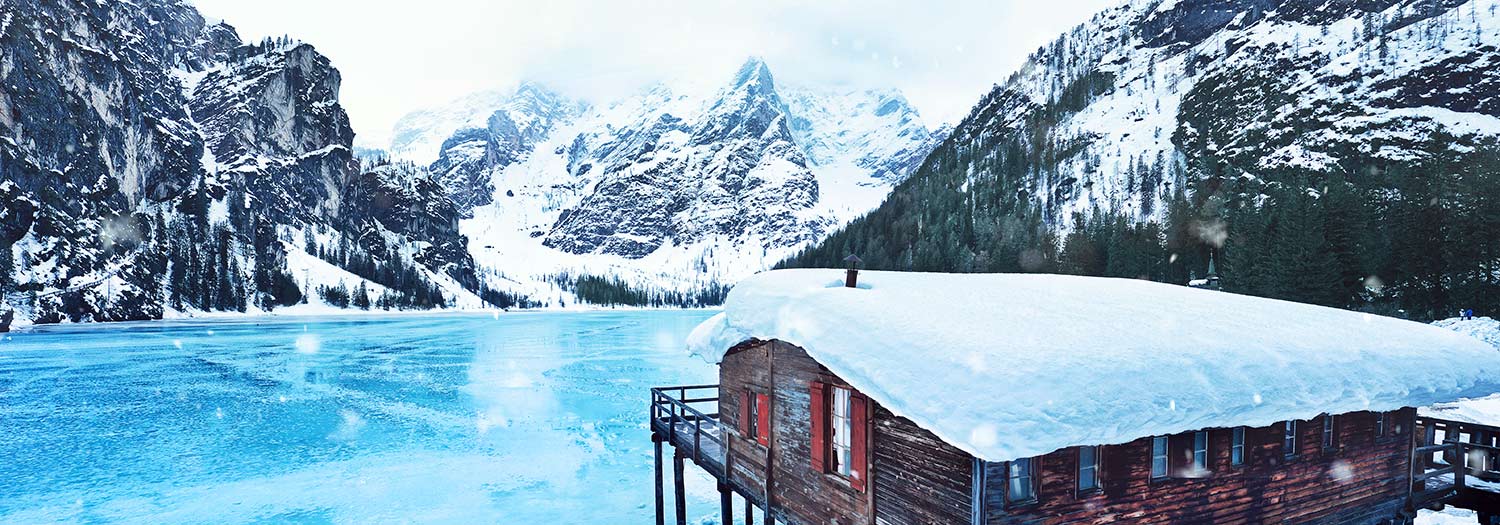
(136, 140)
(508, 135)
(735, 170)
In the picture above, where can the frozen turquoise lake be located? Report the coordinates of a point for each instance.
(520, 418)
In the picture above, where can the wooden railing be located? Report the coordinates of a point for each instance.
(1480, 444)
(672, 414)
(1430, 465)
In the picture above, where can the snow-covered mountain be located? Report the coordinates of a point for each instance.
(152, 163)
(1315, 146)
(1130, 104)
(677, 187)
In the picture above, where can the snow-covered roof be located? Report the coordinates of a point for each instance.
(1006, 366)
(1484, 410)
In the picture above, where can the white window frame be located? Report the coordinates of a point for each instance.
(1237, 447)
(841, 430)
(1088, 469)
(1380, 424)
(755, 409)
(1289, 438)
(1161, 458)
(1200, 451)
(1330, 435)
(1020, 480)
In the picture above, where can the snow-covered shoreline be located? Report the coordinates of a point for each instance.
(324, 311)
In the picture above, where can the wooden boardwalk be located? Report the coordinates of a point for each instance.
(1457, 463)
(687, 418)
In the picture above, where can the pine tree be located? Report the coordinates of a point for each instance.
(362, 297)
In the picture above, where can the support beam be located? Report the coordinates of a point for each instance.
(726, 505)
(749, 512)
(661, 507)
(681, 500)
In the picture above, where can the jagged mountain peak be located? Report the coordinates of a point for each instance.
(755, 75)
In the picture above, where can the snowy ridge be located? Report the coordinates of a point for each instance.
(1142, 89)
(419, 136)
(1044, 362)
(680, 186)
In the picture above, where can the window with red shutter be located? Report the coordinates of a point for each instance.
(859, 414)
(819, 411)
(763, 419)
(747, 428)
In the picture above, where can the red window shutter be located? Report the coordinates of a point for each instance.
(858, 441)
(819, 427)
(763, 405)
(745, 413)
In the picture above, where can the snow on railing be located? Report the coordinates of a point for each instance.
(678, 417)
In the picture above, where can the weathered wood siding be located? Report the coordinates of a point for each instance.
(1363, 480)
(799, 494)
(918, 478)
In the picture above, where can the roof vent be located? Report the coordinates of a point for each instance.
(851, 276)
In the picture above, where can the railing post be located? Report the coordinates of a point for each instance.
(661, 507)
(1459, 467)
(677, 485)
(726, 505)
(749, 512)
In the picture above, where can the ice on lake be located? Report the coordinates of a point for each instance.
(524, 418)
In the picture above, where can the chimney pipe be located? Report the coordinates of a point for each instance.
(851, 276)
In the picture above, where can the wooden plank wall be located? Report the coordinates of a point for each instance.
(918, 478)
(1362, 481)
(799, 493)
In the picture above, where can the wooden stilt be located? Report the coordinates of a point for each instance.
(726, 505)
(677, 486)
(661, 510)
(749, 512)
(765, 512)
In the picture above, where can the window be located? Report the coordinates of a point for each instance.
(1237, 447)
(843, 431)
(1289, 439)
(1020, 488)
(1380, 424)
(1328, 435)
(840, 435)
(1200, 451)
(755, 415)
(1159, 457)
(1088, 468)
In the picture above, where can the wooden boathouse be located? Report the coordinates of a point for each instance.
(1140, 403)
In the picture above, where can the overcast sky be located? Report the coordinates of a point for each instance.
(397, 56)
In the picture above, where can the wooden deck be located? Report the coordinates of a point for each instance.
(1457, 463)
(695, 434)
(687, 418)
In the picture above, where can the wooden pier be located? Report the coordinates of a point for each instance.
(1457, 463)
(687, 418)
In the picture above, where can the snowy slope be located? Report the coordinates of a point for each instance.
(679, 186)
(1040, 360)
(419, 136)
(1482, 409)
(1150, 96)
